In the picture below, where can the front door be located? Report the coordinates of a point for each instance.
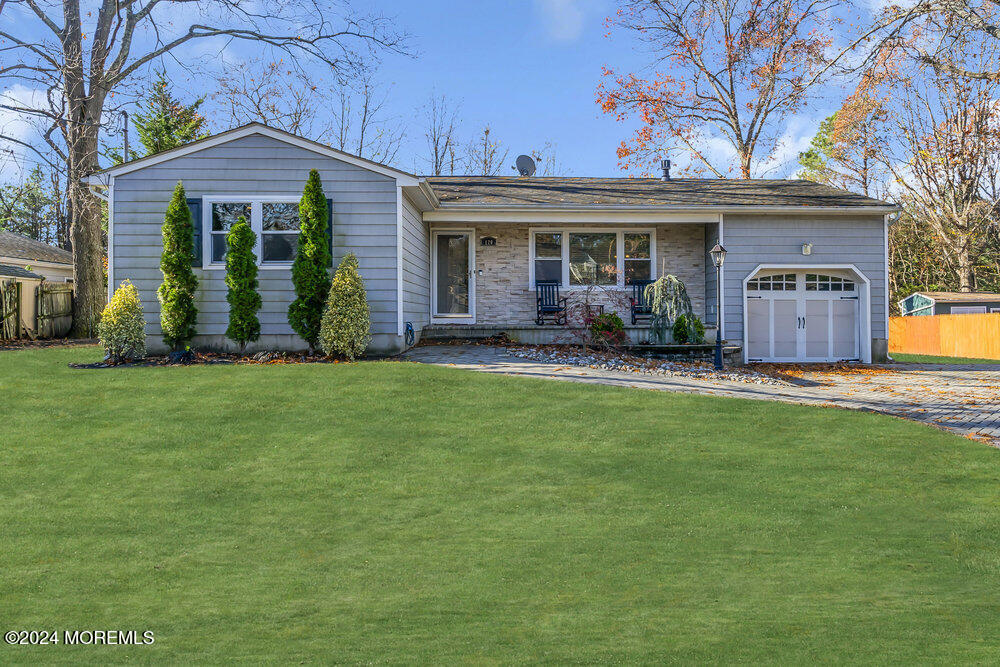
(453, 280)
(802, 317)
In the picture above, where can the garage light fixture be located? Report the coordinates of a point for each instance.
(807, 249)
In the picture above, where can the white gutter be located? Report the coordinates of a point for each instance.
(708, 208)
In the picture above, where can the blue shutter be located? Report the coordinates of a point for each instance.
(194, 205)
(329, 226)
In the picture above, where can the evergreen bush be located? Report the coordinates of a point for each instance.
(178, 315)
(346, 320)
(121, 328)
(688, 329)
(241, 279)
(310, 271)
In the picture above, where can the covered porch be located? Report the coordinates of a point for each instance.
(485, 275)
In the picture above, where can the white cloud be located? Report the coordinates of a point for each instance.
(563, 19)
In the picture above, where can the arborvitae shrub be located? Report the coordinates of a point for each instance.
(121, 329)
(241, 279)
(310, 271)
(346, 321)
(178, 314)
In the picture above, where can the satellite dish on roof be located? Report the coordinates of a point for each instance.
(525, 165)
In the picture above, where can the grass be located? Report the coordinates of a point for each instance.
(396, 513)
(929, 359)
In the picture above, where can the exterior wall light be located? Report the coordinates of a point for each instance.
(807, 249)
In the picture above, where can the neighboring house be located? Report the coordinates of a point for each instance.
(805, 277)
(949, 303)
(54, 264)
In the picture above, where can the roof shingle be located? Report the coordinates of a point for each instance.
(8, 271)
(15, 245)
(681, 192)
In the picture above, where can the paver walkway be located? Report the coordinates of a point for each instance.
(964, 399)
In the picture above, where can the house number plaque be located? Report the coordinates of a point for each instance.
(487, 240)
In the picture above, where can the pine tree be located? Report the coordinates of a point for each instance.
(178, 314)
(310, 271)
(241, 279)
(346, 320)
(165, 122)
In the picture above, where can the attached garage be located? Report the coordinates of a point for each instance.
(806, 314)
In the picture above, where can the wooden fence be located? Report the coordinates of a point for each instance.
(968, 336)
(53, 310)
(10, 309)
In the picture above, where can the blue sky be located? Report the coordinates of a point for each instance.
(528, 68)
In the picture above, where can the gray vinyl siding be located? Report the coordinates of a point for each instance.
(711, 279)
(364, 222)
(777, 239)
(416, 268)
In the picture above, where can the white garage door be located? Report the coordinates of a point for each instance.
(802, 317)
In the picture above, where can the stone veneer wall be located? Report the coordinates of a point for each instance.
(503, 296)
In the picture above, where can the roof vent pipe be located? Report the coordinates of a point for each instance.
(666, 170)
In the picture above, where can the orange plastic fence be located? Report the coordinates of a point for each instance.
(970, 336)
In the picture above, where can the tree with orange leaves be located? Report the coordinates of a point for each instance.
(730, 70)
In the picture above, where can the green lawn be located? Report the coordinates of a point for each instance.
(394, 513)
(928, 359)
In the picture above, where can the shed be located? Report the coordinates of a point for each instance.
(949, 303)
(17, 301)
(49, 262)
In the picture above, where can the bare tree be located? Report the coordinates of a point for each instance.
(272, 93)
(441, 125)
(360, 124)
(950, 131)
(349, 115)
(80, 58)
(485, 157)
(732, 70)
(547, 162)
(930, 31)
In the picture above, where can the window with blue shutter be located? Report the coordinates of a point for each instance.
(194, 205)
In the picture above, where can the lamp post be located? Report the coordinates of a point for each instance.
(718, 254)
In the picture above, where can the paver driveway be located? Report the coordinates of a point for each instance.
(964, 399)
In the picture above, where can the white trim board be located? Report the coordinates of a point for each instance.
(399, 260)
(401, 177)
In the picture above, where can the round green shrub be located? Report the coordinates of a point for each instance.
(122, 328)
(688, 329)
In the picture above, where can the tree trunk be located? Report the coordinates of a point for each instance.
(85, 234)
(966, 274)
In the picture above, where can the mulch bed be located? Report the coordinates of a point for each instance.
(215, 358)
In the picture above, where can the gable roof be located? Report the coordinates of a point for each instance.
(960, 297)
(245, 131)
(21, 247)
(640, 192)
(8, 271)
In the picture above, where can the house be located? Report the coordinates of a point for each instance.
(804, 279)
(949, 303)
(53, 264)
